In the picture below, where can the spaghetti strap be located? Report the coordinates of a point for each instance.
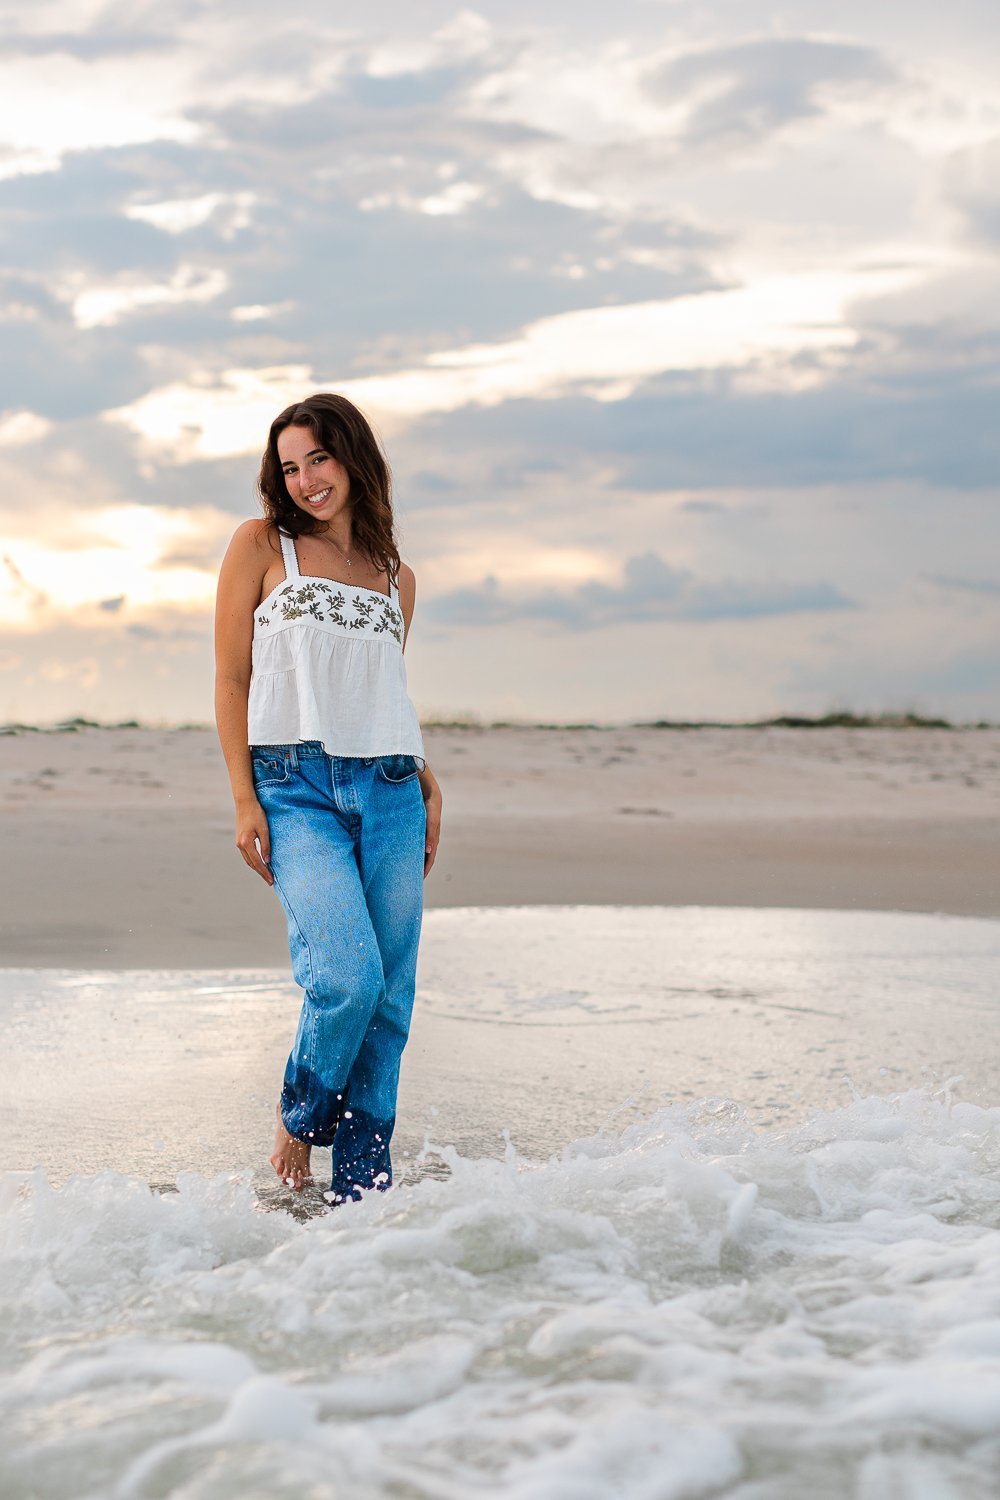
(393, 590)
(288, 553)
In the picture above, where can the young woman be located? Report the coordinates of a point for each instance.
(335, 805)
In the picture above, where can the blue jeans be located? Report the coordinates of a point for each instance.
(347, 855)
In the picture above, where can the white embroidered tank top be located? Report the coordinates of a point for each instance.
(328, 666)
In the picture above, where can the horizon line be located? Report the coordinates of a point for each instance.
(835, 719)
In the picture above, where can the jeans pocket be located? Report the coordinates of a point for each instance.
(397, 768)
(270, 767)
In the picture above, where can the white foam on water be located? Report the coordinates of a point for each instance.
(688, 1307)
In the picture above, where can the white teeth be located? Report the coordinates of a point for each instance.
(318, 499)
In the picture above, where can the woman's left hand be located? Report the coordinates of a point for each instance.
(432, 806)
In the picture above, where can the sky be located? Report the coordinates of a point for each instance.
(680, 325)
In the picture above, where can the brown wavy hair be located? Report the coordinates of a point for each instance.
(344, 432)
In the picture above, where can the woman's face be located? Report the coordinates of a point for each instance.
(317, 482)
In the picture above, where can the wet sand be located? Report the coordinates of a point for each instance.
(546, 1022)
(118, 843)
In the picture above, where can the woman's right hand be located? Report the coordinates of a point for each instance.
(251, 831)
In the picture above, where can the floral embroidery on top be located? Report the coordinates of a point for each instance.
(364, 609)
(325, 602)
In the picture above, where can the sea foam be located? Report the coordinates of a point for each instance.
(688, 1306)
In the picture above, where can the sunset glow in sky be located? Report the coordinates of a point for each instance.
(680, 325)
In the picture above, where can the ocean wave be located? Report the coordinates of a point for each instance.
(689, 1306)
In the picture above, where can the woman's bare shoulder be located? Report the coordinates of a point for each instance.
(406, 583)
(256, 536)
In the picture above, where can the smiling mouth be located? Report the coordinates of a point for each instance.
(321, 498)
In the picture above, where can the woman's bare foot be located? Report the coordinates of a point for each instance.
(290, 1158)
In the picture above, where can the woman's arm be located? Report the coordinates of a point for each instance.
(428, 781)
(240, 581)
(432, 806)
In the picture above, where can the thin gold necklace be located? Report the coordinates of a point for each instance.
(340, 549)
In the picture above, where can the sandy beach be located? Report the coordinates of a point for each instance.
(695, 1187)
(119, 847)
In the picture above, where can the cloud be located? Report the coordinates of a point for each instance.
(135, 107)
(19, 428)
(178, 215)
(927, 418)
(78, 44)
(988, 587)
(747, 91)
(155, 87)
(972, 181)
(101, 305)
(88, 251)
(126, 560)
(650, 589)
(604, 353)
(111, 672)
(25, 596)
(544, 243)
